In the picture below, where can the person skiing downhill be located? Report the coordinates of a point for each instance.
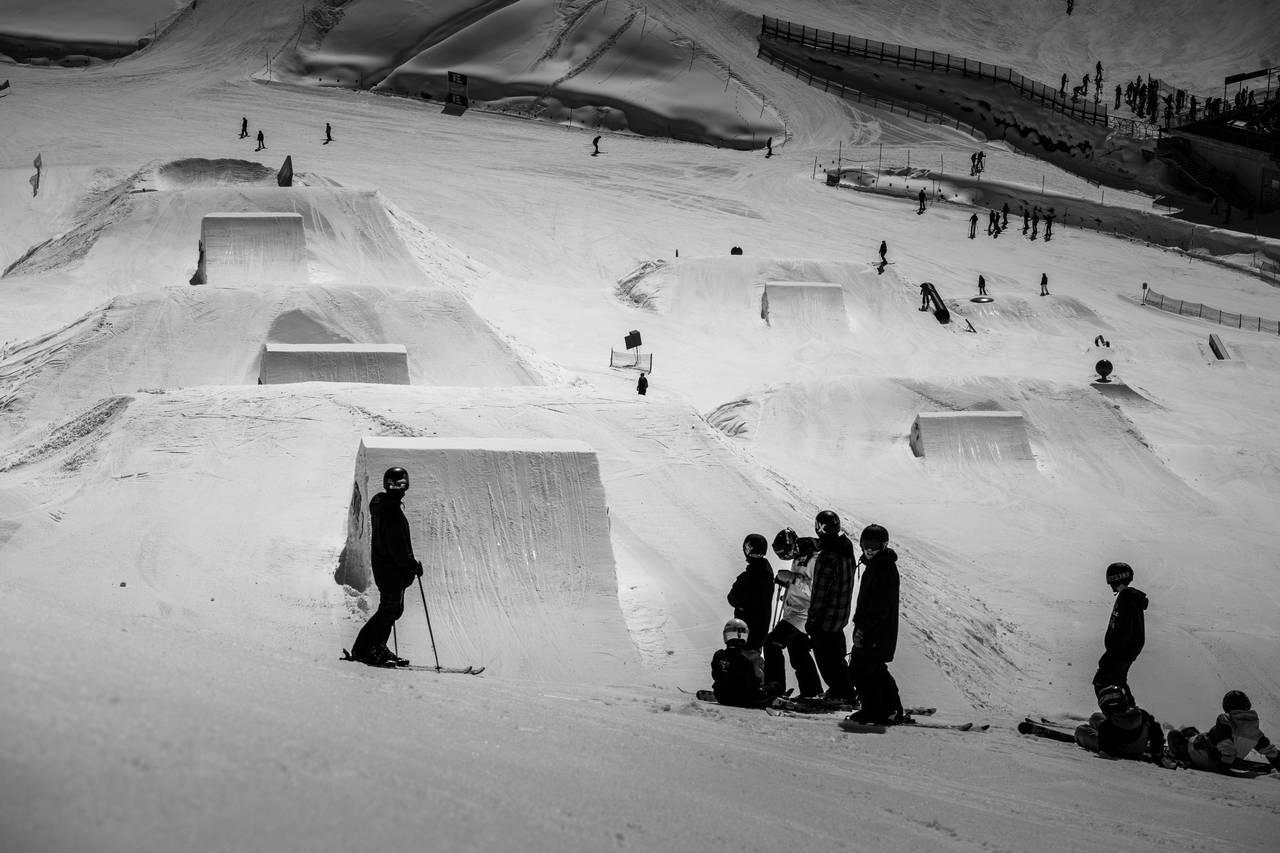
(1126, 630)
(394, 569)
(752, 593)
(788, 635)
(830, 604)
(1231, 738)
(875, 631)
(737, 672)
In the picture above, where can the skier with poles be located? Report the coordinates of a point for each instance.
(752, 593)
(394, 570)
(788, 634)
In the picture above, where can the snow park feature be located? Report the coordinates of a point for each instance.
(514, 536)
(972, 437)
(804, 307)
(251, 248)
(384, 363)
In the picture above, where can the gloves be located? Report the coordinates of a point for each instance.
(418, 563)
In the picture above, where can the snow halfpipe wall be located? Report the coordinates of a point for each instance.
(252, 248)
(383, 363)
(513, 535)
(984, 437)
(810, 307)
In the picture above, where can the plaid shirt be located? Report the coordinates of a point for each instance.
(832, 597)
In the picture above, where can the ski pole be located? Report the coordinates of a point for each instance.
(395, 641)
(430, 633)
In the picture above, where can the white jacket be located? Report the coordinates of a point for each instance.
(795, 603)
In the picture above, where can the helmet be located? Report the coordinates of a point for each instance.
(735, 629)
(784, 544)
(395, 480)
(1119, 573)
(1113, 698)
(874, 534)
(754, 545)
(826, 522)
(1235, 700)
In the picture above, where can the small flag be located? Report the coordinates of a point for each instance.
(38, 163)
(284, 177)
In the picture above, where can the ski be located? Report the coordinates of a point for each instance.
(957, 727)
(453, 670)
(1031, 727)
(1067, 724)
(862, 728)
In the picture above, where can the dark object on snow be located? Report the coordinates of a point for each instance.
(262, 142)
(736, 250)
(284, 177)
(1103, 367)
(244, 127)
(642, 385)
(394, 567)
(752, 599)
(328, 133)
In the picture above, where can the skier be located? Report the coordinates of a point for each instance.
(973, 164)
(737, 672)
(394, 569)
(788, 635)
(1026, 220)
(1044, 284)
(982, 285)
(875, 631)
(328, 133)
(924, 296)
(884, 250)
(768, 145)
(1035, 223)
(261, 142)
(642, 385)
(1231, 738)
(973, 226)
(595, 144)
(921, 210)
(1004, 216)
(982, 162)
(1126, 630)
(751, 595)
(244, 127)
(1063, 90)
(1048, 225)
(1123, 730)
(831, 603)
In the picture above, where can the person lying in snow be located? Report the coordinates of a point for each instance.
(1123, 730)
(1233, 736)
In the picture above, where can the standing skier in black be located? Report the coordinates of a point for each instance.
(973, 226)
(982, 285)
(595, 145)
(642, 385)
(394, 569)
(262, 143)
(244, 127)
(752, 593)
(328, 133)
(1126, 630)
(1044, 284)
(884, 250)
(921, 197)
(875, 631)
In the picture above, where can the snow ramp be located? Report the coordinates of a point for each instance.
(252, 248)
(514, 538)
(383, 363)
(973, 437)
(804, 307)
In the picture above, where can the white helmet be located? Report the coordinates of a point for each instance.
(735, 629)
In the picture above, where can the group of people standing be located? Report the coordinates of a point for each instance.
(802, 612)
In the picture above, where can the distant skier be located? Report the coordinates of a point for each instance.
(1026, 220)
(831, 604)
(1044, 284)
(394, 569)
(875, 631)
(1232, 737)
(788, 635)
(642, 385)
(751, 595)
(982, 285)
(737, 672)
(1126, 630)
(1063, 90)
(884, 251)
(1035, 225)
(261, 142)
(1123, 730)
(973, 226)
(768, 145)
(244, 127)
(924, 296)
(921, 197)
(595, 147)
(982, 162)
(328, 133)
(1004, 216)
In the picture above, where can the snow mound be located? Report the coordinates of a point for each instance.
(808, 307)
(972, 437)
(195, 172)
(382, 363)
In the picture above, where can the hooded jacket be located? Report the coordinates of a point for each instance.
(1126, 631)
(391, 550)
(752, 599)
(876, 617)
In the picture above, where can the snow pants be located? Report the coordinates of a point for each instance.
(796, 643)
(377, 630)
(877, 689)
(829, 652)
(1113, 670)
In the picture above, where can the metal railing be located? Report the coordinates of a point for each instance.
(1204, 312)
(631, 359)
(933, 61)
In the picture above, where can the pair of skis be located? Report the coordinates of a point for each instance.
(453, 670)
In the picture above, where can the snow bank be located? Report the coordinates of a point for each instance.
(383, 363)
(252, 248)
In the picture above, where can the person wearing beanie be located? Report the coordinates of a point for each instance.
(751, 595)
(1228, 742)
(1122, 730)
(1126, 630)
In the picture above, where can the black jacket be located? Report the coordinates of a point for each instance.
(752, 599)
(1132, 733)
(876, 616)
(737, 677)
(391, 551)
(1126, 632)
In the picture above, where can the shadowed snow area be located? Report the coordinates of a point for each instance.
(184, 552)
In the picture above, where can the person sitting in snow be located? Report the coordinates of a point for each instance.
(788, 635)
(1122, 730)
(751, 595)
(1233, 736)
(737, 672)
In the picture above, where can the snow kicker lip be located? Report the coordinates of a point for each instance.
(251, 248)
(977, 437)
(380, 363)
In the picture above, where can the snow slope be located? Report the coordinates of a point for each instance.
(170, 532)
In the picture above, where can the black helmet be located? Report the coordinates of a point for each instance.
(784, 544)
(395, 480)
(1119, 573)
(754, 545)
(826, 522)
(874, 534)
(1112, 699)
(1235, 700)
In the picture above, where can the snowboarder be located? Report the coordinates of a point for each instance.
(884, 250)
(394, 569)
(737, 672)
(1126, 630)
(921, 197)
(751, 595)
(768, 146)
(788, 635)
(1044, 284)
(875, 631)
(244, 127)
(1048, 225)
(328, 133)
(982, 285)
(642, 385)
(924, 296)
(973, 226)
(261, 142)
(1123, 730)
(1231, 738)
(831, 603)
(595, 145)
